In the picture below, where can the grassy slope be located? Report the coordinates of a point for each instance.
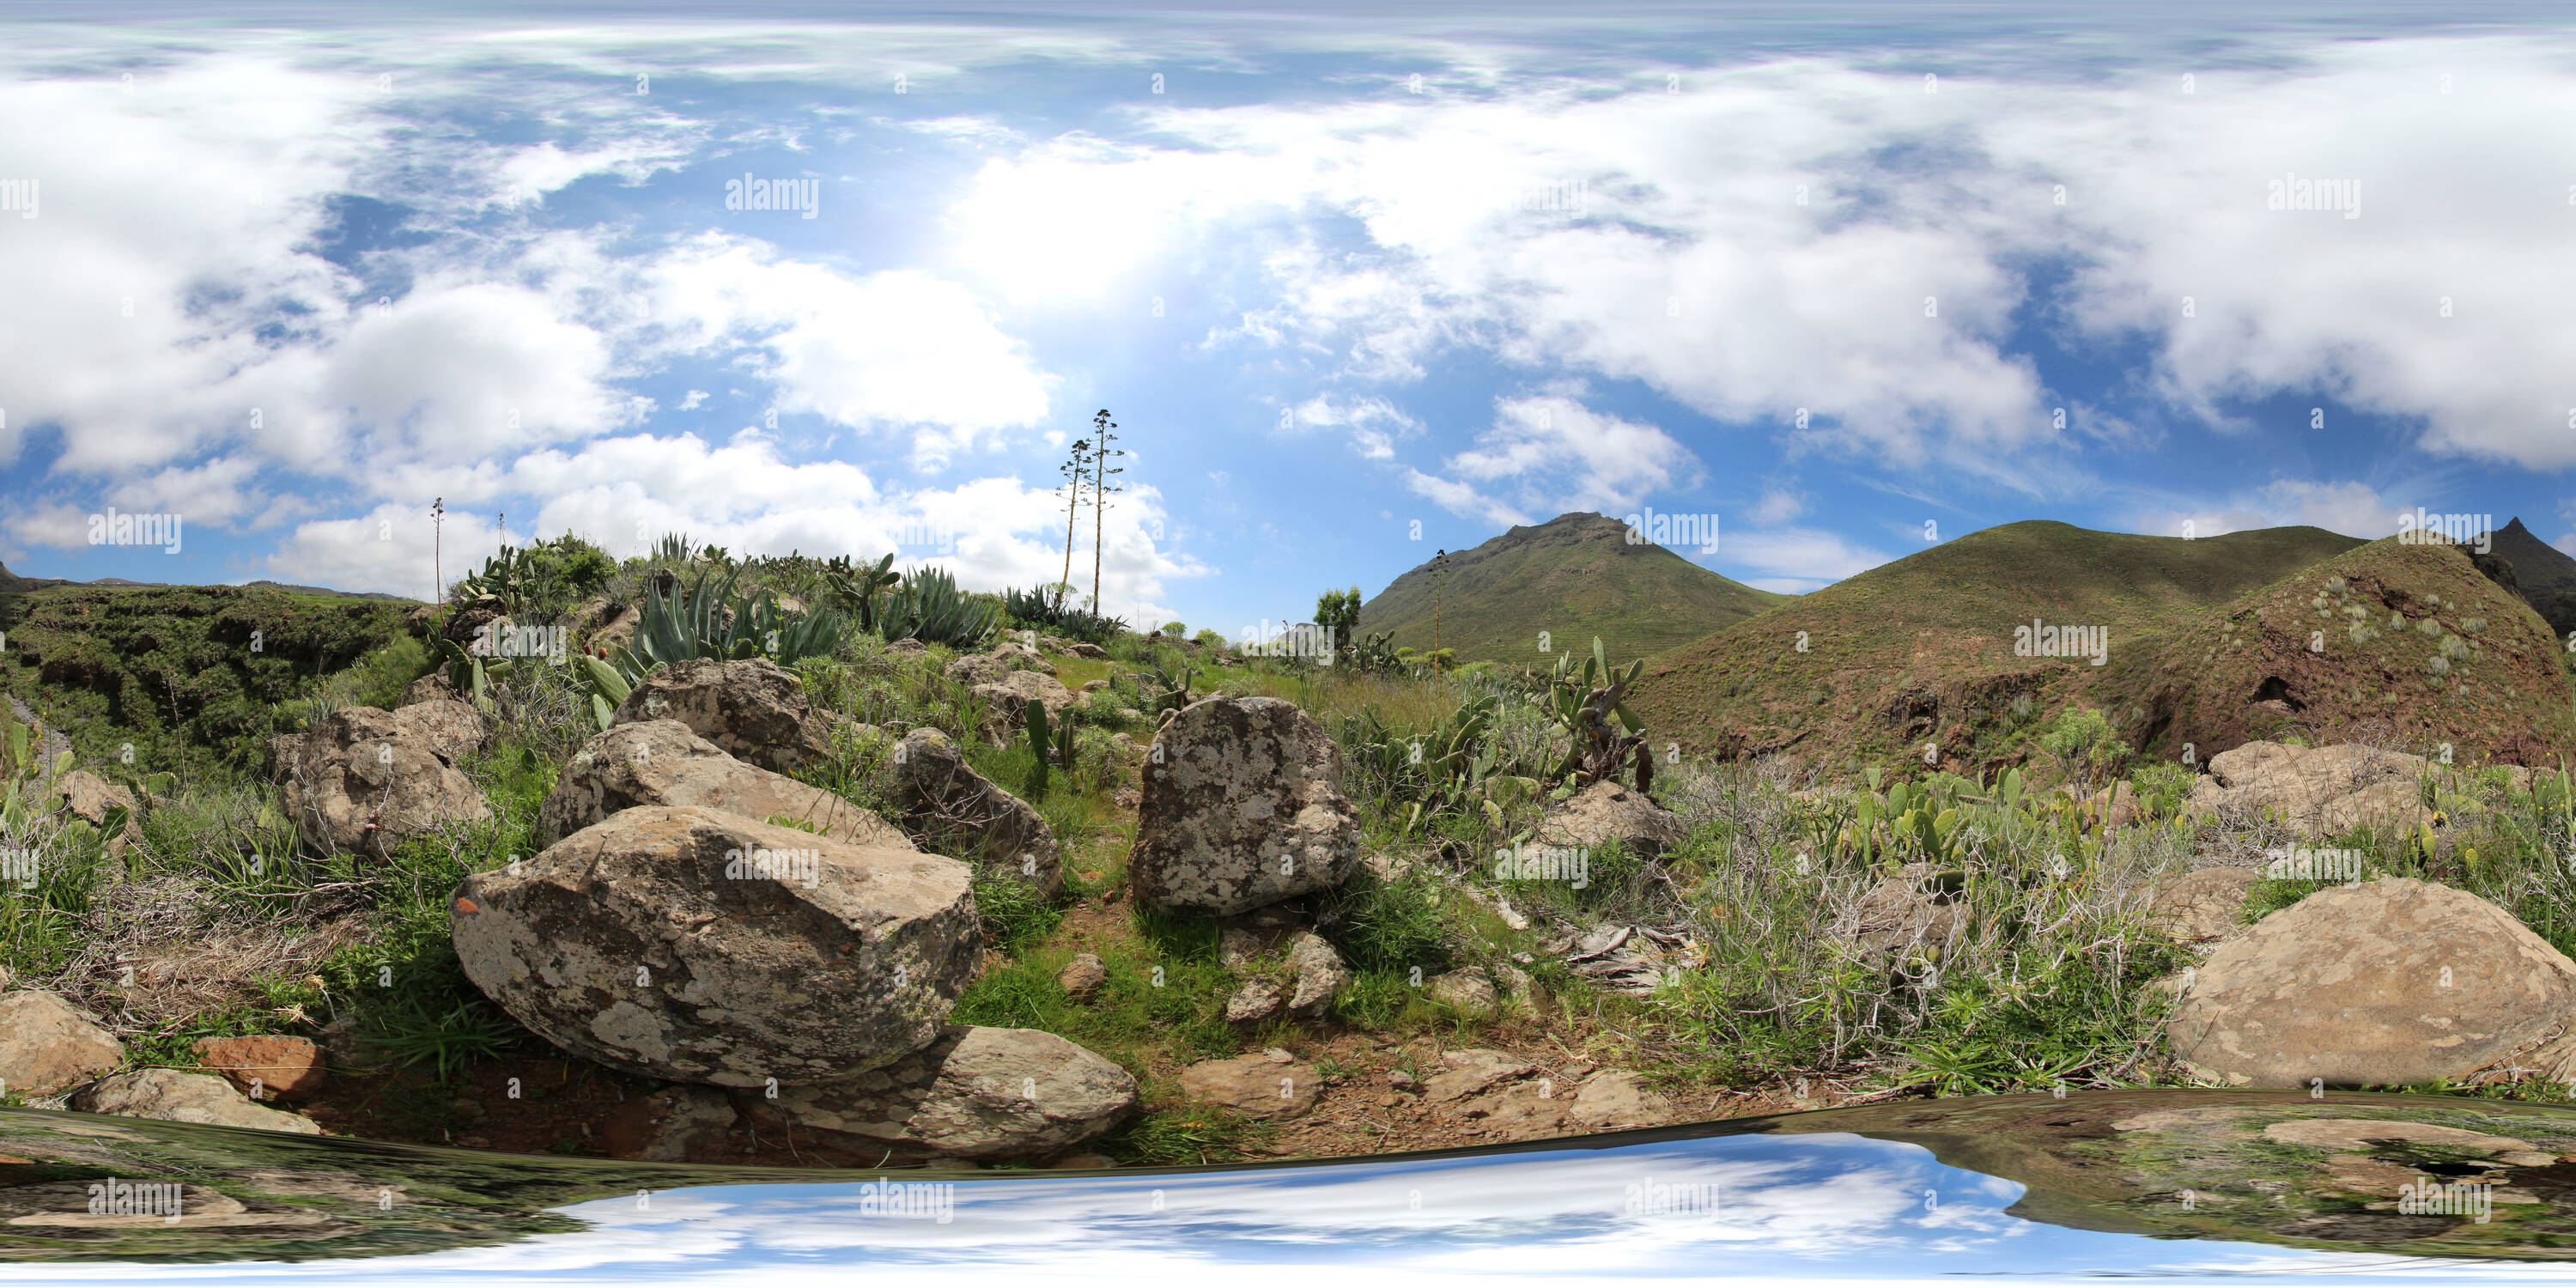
(2547, 576)
(1887, 650)
(1574, 577)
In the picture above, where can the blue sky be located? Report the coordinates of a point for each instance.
(295, 280)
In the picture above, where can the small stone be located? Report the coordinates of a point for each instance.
(1251, 1085)
(1468, 988)
(1277, 1055)
(186, 1098)
(1399, 1079)
(1254, 1003)
(1083, 977)
(284, 1068)
(1473, 1071)
(1321, 974)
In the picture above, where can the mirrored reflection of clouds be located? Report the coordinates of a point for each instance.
(1810, 1208)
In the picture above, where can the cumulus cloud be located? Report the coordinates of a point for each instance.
(2353, 509)
(1794, 561)
(1550, 453)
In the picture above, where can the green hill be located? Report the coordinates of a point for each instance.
(1895, 652)
(1573, 577)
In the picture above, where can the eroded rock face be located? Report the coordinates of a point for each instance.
(974, 1093)
(752, 708)
(451, 727)
(660, 762)
(186, 1098)
(1606, 811)
(695, 946)
(46, 1045)
(948, 806)
(2317, 790)
(1242, 806)
(2388, 982)
(366, 780)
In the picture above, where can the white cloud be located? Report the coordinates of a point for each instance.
(2353, 509)
(1550, 453)
(1777, 506)
(1372, 424)
(898, 350)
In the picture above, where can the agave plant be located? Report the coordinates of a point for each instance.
(930, 608)
(706, 620)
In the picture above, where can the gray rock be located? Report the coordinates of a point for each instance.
(1469, 1072)
(752, 708)
(1606, 812)
(1617, 1098)
(947, 806)
(2320, 791)
(2390, 982)
(186, 1098)
(46, 1045)
(365, 780)
(659, 762)
(90, 798)
(1319, 974)
(1006, 702)
(653, 943)
(974, 1093)
(1242, 807)
(1256, 1002)
(432, 687)
(451, 727)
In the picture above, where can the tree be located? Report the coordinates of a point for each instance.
(1175, 630)
(1101, 487)
(1338, 612)
(1072, 470)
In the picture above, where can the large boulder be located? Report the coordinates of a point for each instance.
(365, 780)
(950, 807)
(659, 762)
(46, 1045)
(1242, 806)
(974, 1093)
(752, 708)
(2202, 905)
(428, 688)
(695, 946)
(186, 1098)
(2317, 790)
(1606, 812)
(2388, 982)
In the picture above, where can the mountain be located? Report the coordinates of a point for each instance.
(2546, 577)
(1572, 577)
(1923, 647)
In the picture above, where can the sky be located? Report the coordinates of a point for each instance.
(1356, 283)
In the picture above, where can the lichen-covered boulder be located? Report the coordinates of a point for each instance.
(974, 1093)
(2320, 791)
(751, 707)
(659, 762)
(949, 807)
(1006, 703)
(1242, 806)
(690, 945)
(2389, 982)
(451, 726)
(365, 780)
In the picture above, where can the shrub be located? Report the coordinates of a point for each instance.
(1208, 639)
(1175, 629)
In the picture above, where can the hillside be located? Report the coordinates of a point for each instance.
(2546, 576)
(1902, 649)
(1574, 577)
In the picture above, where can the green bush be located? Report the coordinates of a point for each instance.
(1208, 639)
